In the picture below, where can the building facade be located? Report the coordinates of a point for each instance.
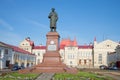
(10, 55)
(101, 52)
(81, 56)
(39, 51)
(5, 56)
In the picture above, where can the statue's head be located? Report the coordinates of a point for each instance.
(53, 9)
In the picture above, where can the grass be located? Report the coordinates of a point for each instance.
(59, 76)
(80, 76)
(18, 76)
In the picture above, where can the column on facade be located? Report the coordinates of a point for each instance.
(1, 59)
(25, 60)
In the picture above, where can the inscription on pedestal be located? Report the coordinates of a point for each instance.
(52, 47)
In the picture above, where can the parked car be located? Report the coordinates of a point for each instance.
(113, 68)
(15, 68)
(103, 67)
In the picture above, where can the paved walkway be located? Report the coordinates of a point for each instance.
(45, 76)
(113, 74)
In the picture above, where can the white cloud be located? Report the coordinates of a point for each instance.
(6, 25)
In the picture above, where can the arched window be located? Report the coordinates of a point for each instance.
(80, 61)
(85, 61)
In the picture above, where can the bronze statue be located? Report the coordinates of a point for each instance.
(53, 19)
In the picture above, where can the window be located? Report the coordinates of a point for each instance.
(81, 53)
(38, 61)
(61, 54)
(108, 45)
(70, 62)
(71, 56)
(6, 51)
(68, 56)
(38, 54)
(80, 61)
(85, 61)
(100, 58)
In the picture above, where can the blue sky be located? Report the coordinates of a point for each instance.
(83, 19)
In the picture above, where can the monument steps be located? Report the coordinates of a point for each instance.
(48, 71)
(50, 64)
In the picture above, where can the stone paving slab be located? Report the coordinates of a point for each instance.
(45, 76)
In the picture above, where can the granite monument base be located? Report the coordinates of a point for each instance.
(51, 63)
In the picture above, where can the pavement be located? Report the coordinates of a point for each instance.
(115, 77)
(115, 74)
(45, 76)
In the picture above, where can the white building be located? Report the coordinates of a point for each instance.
(114, 57)
(118, 52)
(85, 56)
(75, 55)
(5, 56)
(70, 58)
(28, 45)
(101, 51)
(10, 55)
(39, 51)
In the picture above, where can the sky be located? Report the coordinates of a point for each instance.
(80, 19)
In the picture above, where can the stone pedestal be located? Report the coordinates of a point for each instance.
(51, 59)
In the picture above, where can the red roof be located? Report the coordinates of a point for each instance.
(17, 49)
(39, 47)
(85, 47)
(68, 42)
(62, 47)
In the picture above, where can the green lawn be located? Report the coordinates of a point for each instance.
(59, 76)
(18, 76)
(80, 76)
